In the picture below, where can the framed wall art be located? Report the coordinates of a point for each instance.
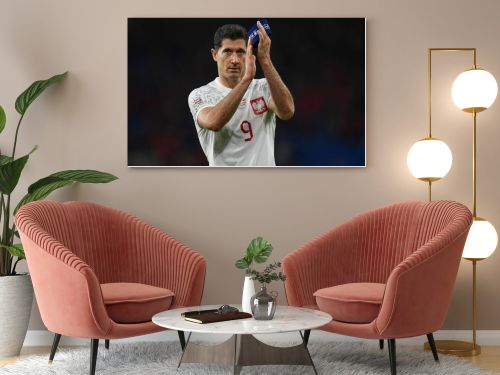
(284, 92)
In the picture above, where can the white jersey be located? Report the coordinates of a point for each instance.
(248, 137)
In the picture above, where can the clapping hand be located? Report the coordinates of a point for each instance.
(264, 47)
(250, 67)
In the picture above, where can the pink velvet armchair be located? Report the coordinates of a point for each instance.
(385, 274)
(100, 273)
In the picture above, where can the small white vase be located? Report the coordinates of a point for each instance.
(248, 292)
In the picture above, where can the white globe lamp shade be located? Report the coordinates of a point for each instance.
(474, 90)
(481, 241)
(429, 159)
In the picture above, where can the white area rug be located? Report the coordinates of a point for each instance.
(162, 358)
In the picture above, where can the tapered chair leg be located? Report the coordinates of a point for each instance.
(94, 345)
(381, 344)
(432, 344)
(307, 333)
(106, 344)
(392, 355)
(55, 344)
(182, 339)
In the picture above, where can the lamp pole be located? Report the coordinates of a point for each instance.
(430, 179)
(455, 347)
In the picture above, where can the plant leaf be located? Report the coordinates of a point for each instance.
(3, 119)
(10, 172)
(46, 181)
(253, 246)
(42, 193)
(4, 159)
(43, 187)
(10, 234)
(86, 176)
(15, 250)
(13, 233)
(257, 245)
(260, 259)
(31, 93)
(74, 175)
(241, 263)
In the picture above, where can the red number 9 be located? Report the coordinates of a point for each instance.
(246, 128)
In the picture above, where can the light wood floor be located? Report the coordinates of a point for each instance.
(488, 360)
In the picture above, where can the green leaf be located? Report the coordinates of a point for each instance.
(5, 159)
(260, 259)
(46, 181)
(260, 249)
(10, 172)
(42, 193)
(15, 250)
(10, 234)
(43, 187)
(75, 175)
(3, 119)
(242, 263)
(31, 93)
(86, 176)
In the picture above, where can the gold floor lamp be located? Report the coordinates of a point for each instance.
(430, 159)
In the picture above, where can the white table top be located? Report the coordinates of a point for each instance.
(286, 319)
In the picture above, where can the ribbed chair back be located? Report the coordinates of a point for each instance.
(369, 246)
(384, 237)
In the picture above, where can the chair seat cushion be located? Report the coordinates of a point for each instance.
(135, 303)
(351, 303)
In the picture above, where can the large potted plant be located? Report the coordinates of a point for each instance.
(16, 291)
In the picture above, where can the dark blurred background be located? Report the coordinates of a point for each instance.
(321, 60)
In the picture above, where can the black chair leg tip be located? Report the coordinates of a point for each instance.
(432, 344)
(55, 344)
(94, 346)
(392, 355)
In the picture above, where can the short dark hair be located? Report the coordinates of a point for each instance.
(230, 31)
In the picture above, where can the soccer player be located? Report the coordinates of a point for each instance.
(235, 114)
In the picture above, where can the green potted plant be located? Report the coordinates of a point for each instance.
(259, 250)
(16, 291)
(269, 274)
(263, 304)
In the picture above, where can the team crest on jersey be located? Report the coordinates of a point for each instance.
(258, 105)
(197, 103)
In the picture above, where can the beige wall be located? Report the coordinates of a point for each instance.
(83, 124)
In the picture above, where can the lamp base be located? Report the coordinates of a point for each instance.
(454, 347)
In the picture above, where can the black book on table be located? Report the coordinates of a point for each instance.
(212, 316)
(198, 312)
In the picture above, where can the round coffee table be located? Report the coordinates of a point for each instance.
(242, 348)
